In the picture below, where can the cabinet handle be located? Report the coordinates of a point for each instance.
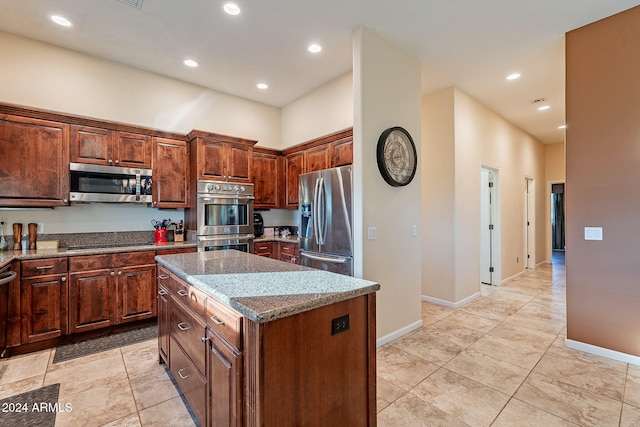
(162, 292)
(183, 293)
(44, 267)
(163, 277)
(204, 339)
(182, 376)
(215, 320)
(182, 327)
(63, 279)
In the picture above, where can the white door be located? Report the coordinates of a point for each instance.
(530, 242)
(487, 225)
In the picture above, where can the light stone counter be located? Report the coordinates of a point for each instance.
(260, 288)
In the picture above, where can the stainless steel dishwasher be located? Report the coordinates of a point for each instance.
(6, 276)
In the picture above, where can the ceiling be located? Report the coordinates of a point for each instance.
(470, 44)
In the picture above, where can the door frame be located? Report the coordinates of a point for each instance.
(496, 238)
(548, 225)
(529, 223)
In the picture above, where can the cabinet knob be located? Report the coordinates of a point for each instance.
(112, 274)
(110, 160)
(63, 279)
(117, 161)
(120, 273)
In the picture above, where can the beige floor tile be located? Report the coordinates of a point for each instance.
(527, 336)
(430, 346)
(496, 310)
(21, 386)
(458, 333)
(569, 402)
(401, 368)
(594, 373)
(411, 411)
(77, 378)
(632, 387)
(516, 353)
(550, 326)
(518, 413)
(498, 374)
(140, 358)
(630, 416)
(98, 405)
(25, 366)
(462, 398)
(170, 413)
(432, 313)
(152, 387)
(471, 321)
(386, 393)
(132, 420)
(79, 361)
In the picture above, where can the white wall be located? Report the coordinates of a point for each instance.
(554, 171)
(325, 110)
(386, 95)
(480, 137)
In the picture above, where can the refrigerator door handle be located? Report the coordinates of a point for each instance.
(316, 217)
(337, 260)
(322, 208)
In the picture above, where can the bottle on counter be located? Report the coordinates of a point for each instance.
(3, 243)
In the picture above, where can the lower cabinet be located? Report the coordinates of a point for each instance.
(43, 299)
(224, 365)
(190, 379)
(288, 252)
(264, 249)
(163, 316)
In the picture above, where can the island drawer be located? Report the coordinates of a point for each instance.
(188, 330)
(191, 383)
(44, 267)
(188, 295)
(225, 321)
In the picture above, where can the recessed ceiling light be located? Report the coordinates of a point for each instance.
(513, 76)
(190, 63)
(262, 86)
(562, 127)
(314, 48)
(231, 8)
(61, 20)
(544, 107)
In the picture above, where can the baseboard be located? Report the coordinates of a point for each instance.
(512, 277)
(397, 334)
(601, 351)
(449, 303)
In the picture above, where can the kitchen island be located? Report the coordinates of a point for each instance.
(255, 341)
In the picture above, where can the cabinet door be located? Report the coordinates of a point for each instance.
(136, 290)
(91, 145)
(238, 165)
(266, 180)
(225, 382)
(170, 173)
(34, 170)
(211, 156)
(163, 321)
(317, 158)
(288, 252)
(342, 152)
(43, 307)
(132, 150)
(91, 300)
(294, 165)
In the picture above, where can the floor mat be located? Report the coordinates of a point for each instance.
(96, 345)
(35, 408)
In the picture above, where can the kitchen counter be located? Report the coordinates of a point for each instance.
(7, 256)
(292, 239)
(260, 288)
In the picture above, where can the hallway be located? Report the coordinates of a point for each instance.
(501, 361)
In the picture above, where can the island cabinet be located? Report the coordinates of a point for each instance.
(43, 299)
(34, 170)
(99, 146)
(220, 157)
(110, 289)
(171, 176)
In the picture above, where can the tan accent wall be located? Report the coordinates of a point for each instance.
(603, 176)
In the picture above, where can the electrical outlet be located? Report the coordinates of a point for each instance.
(340, 324)
(41, 227)
(371, 233)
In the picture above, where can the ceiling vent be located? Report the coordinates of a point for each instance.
(133, 3)
(537, 101)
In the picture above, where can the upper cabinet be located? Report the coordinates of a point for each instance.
(218, 157)
(99, 146)
(34, 170)
(268, 178)
(171, 175)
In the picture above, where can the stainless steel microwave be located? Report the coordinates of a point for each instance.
(109, 184)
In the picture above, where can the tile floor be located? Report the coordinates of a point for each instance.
(498, 361)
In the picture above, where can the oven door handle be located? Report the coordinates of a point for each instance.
(226, 200)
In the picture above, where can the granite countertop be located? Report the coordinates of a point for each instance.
(292, 239)
(7, 256)
(260, 288)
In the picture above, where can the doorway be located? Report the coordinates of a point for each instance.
(557, 217)
(529, 223)
(488, 225)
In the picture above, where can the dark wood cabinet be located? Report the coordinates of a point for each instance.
(317, 158)
(110, 289)
(163, 319)
(288, 252)
(265, 249)
(224, 365)
(98, 146)
(267, 169)
(294, 166)
(342, 152)
(34, 170)
(43, 299)
(171, 176)
(220, 157)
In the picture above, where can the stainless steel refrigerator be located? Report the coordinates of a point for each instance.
(326, 220)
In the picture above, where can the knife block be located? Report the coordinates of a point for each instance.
(17, 237)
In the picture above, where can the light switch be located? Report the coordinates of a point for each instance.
(414, 230)
(371, 233)
(593, 233)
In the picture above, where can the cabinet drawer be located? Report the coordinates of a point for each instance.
(290, 249)
(188, 331)
(225, 321)
(90, 263)
(44, 267)
(192, 384)
(188, 295)
(261, 248)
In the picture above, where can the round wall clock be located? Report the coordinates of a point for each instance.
(397, 158)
